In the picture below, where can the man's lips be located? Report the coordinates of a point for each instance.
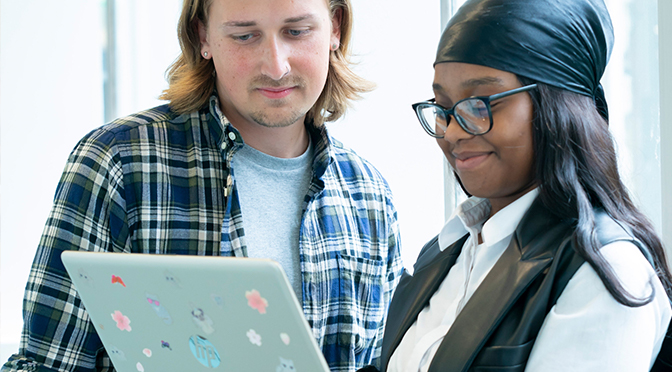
(469, 160)
(276, 93)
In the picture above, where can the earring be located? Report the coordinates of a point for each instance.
(205, 54)
(334, 46)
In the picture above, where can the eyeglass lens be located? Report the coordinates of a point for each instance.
(472, 114)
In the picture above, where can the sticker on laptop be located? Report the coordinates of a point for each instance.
(254, 337)
(161, 311)
(286, 365)
(218, 300)
(114, 351)
(172, 279)
(117, 279)
(85, 277)
(201, 319)
(139, 367)
(147, 352)
(285, 338)
(204, 351)
(255, 301)
(166, 345)
(123, 323)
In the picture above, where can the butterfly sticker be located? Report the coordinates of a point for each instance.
(117, 279)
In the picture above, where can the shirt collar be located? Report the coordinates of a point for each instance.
(470, 215)
(324, 152)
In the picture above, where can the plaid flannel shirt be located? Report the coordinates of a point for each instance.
(156, 182)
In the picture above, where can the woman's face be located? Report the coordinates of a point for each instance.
(498, 165)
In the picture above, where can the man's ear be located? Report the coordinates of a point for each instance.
(202, 36)
(336, 28)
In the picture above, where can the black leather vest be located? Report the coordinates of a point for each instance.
(499, 324)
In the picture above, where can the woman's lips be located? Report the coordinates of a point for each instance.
(276, 93)
(469, 161)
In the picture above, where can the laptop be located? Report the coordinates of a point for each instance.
(193, 313)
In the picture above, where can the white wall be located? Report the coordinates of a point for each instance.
(51, 94)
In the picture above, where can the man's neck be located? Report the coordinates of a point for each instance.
(285, 142)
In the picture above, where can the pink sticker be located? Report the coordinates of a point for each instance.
(123, 323)
(147, 352)
(255, 301)
(285, 338)
(254, 337)
(117, 279)
(140, 367)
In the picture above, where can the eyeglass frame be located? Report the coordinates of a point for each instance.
(451, 111)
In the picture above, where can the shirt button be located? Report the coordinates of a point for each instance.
(232, 136)
(223, 145)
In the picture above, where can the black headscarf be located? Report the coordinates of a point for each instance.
(563, 43)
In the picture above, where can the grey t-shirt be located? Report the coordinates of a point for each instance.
(271, 192)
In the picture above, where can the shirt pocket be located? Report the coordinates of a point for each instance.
(503, 358)
(361, 304)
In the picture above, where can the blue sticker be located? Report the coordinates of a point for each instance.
(158, 308)
(204, 351)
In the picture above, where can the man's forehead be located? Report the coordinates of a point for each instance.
(245, 13)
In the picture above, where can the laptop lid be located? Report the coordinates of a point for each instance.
(194, 313)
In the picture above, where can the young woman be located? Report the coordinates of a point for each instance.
(549, 266)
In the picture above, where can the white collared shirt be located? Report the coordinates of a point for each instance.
(578, 333)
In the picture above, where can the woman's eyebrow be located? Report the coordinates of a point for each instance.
(472, 83)
(487, 80)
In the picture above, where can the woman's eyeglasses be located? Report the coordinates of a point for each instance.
(473, 114)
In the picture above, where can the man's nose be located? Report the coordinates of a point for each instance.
(275, 63)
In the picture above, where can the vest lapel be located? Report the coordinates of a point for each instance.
(528, 254)
(414, 292)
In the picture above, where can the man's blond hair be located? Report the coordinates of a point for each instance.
(191, 78)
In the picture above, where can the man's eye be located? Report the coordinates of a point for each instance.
(245, 37)
(296, 33)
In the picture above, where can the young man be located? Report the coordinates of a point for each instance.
(251, 91)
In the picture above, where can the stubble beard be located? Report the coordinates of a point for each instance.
(281, 120)
(264, 119)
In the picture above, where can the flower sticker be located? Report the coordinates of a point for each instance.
(254, 337)
(117, 279)
(147, 352)
(285, 338)
(166, 345)
(255, 301)
(123, 323)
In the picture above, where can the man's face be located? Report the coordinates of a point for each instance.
(271, 57)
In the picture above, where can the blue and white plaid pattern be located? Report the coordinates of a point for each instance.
(156, 182)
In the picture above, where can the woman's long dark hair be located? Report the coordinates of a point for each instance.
(577, 170)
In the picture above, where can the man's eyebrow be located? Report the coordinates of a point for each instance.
(254, 23)
(300, 18)
(239, 24)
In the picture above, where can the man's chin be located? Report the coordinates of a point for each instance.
(277, 121)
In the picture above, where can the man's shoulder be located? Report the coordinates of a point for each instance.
(351, 165)
(144, 126)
